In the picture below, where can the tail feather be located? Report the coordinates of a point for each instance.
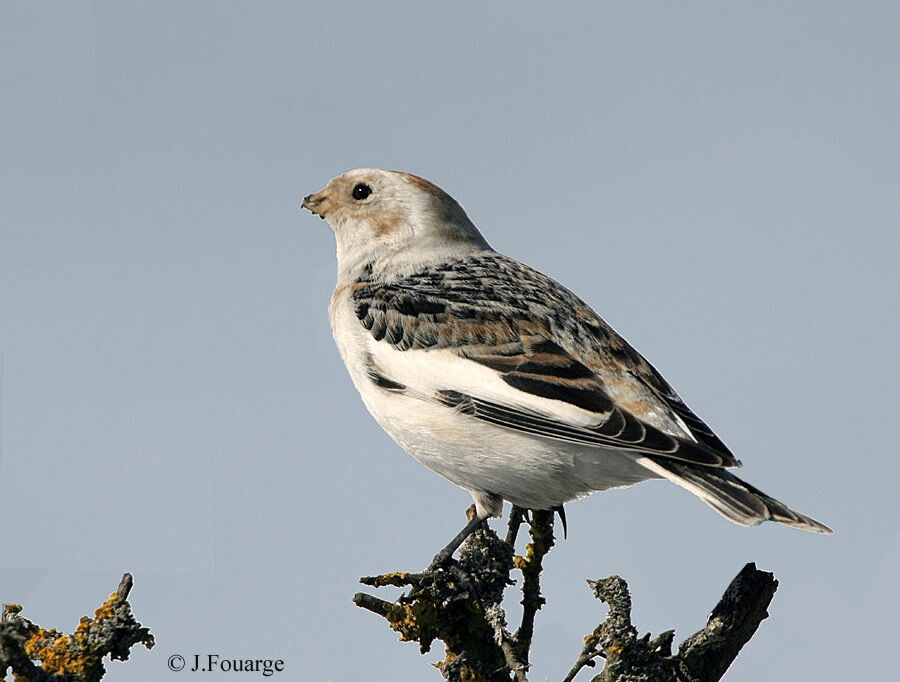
(733, 498)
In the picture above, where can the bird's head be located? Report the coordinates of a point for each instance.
(392, 219)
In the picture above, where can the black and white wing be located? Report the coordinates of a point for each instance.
(566, 374)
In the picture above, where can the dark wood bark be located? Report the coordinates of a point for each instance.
(459, 604)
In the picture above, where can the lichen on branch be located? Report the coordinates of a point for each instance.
(77, 657)
(460, 604)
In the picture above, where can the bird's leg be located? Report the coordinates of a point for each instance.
(444, 556)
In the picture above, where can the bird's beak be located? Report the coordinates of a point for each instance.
(316, 203)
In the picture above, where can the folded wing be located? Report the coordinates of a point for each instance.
(550, 350)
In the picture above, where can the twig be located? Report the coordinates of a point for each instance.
(497, 618)
(531, 565)
(586, 657)
(125, 585)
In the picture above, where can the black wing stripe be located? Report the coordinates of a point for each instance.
(655, 441)
(379, 379)
(587, 399)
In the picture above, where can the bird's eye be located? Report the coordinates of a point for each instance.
(361, 191)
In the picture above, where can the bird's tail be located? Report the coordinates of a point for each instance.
(734, 499)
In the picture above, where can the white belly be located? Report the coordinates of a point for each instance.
(526, 470)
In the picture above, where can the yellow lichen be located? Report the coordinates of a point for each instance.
(58, 653)
(440, 664)
(39, 640)
(106, 609)
(403, 621)
(78, 656)
(396, 575)
(69, 654)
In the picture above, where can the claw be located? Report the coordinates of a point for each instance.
(562, 517)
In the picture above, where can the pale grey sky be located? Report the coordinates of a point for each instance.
(718, 180)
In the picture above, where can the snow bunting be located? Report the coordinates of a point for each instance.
(497, 377)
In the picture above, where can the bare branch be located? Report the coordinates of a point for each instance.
(707, 654)
(702, 657)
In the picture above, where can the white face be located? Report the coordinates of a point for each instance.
(388, 216)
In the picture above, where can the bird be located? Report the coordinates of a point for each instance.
(497, 377)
